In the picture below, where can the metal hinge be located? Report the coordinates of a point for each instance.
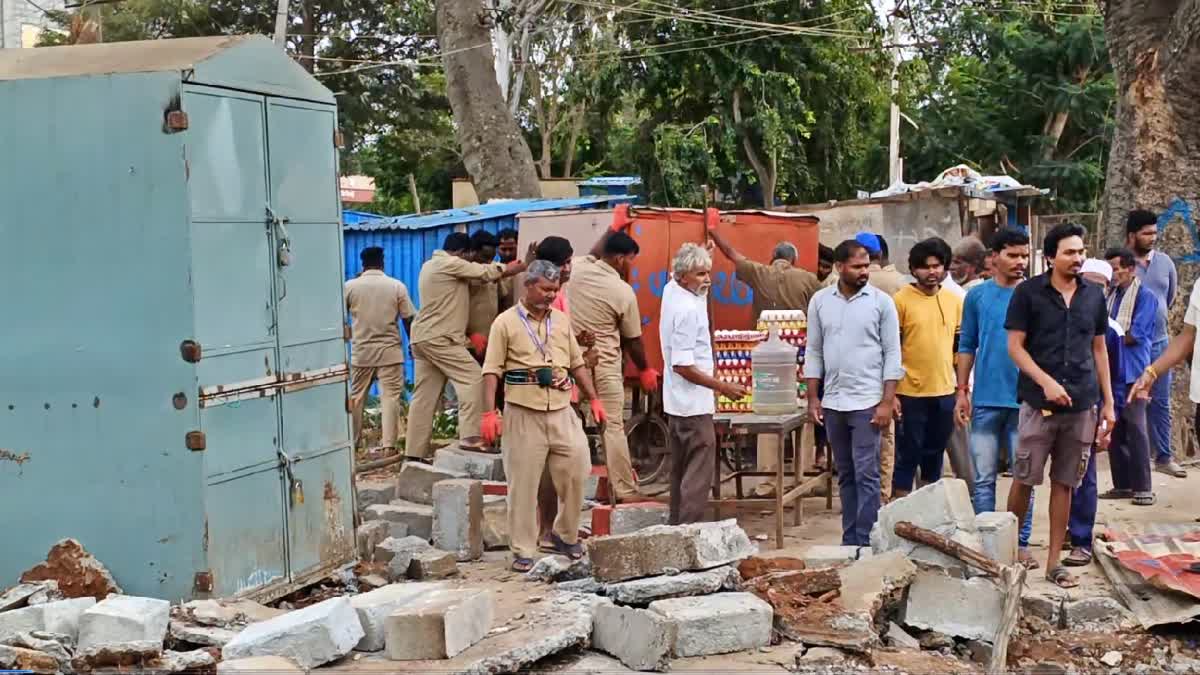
(195, 441)
(177, 120)
(339, 139)
(191, 351)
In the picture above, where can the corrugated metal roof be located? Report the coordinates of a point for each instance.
(145, 56)
(611, 180)
(498, 209)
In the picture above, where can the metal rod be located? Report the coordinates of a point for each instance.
(281, 18)
(378, 463)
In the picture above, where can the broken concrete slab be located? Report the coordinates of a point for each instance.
(587, 585)
(559, 568)
(899, 638)
(224, 612)
(826, 624)
(592, 663)
(495, 522)
(829, 556)
(717, 624)
(432, 564)
(415, 482)
(627, 518)
(821, 656)
(375, 606)
(78, 573)
(564, 622)
(641, 639)
(870, 584)
(478, 465)
(458, 518)
(60, 616)
(28, 660)
(927, 558)
(375, 491)
(208, 636)
(417, 519)
(439, 625)
(196, 662)
(1045, 607)
(312, 636)
(397, 554)
(20, 595)
(966, 608)
(658, 549)
(998, 532)
(370, 534)
(944, 507)
(124, 618)
(60, 649)
(139, 653)
(649, 589)
(258, 664)
(1098, 609)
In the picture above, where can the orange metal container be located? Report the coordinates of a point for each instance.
(660, 233)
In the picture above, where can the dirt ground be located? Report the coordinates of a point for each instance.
(1178, 500)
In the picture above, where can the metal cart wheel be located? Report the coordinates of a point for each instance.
(649, 439)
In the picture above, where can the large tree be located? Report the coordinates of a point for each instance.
(1155, 50)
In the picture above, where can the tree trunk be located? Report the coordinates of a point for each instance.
(494, 150)
(1155, 51)
(579, 113)
(307, 41)
(766, 174)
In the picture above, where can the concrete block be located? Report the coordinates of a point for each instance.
(588, 585)
(195, 662)
(28, 660)
(661, 548)
(375, 606)
(554, 568)
(274, 665)
(208, 636)
(495, 522)
(627, 518)
(1093, 610)
(478, 465)
(432, 564)
(310, 637)
(644, 591)
(641, 639)
(898, 638)
(1045, 607)
(415, 482)
(998, 532)
(377, 491)
(931, 559)
(369, 535)
(717, 624)
(416, 518)
(868, 585)
(60, 616)
(60, 648)
(944, 507)
(124, 618)
(225, 612)
(966, 608)
(23, 595)
(829, 556)
(391, 547)
(562, 621)
(439, 625)
(118, 655)
(458, 518)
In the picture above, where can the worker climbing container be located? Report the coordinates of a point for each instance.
(174, 366)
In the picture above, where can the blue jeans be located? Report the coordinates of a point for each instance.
(993, 428)
(1158, 415)
(855, 449)
(921, 439)
(1083, 507)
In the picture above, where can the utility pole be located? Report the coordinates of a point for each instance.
(895, 162)
(281, 18)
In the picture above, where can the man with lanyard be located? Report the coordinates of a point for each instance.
(1157, 273)
(439, 343)
(531, 347)
(604, 305)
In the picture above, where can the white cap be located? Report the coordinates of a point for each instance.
(1097, 266)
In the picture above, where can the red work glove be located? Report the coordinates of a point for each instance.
(649, 378)
(491, 426)
(598, 413)
(711, 218)
(621, 219)
(478, 343)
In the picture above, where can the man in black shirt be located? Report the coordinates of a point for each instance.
(1056, 323)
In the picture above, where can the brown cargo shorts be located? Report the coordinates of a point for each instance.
(1062, 438)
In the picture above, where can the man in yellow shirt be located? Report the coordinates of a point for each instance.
(930, 318)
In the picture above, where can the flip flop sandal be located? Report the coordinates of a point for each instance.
(1080, 557)
(546, 546)
(1061, 577)
(572, 551)
(1116, 494)
(1144, 499)
(522, 565)
(1026, 559)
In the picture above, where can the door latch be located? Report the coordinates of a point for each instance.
(283, 252)
(295, 485)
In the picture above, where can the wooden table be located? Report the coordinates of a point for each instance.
(783, 426)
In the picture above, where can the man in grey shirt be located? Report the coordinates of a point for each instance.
(1157, 273)
(854, 352)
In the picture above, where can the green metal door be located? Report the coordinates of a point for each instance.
(232, 278)
(315, 429)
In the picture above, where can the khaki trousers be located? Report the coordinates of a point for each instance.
(887, 461)
(610, 388)
(436, 361)
(533, 441)
(391, 392)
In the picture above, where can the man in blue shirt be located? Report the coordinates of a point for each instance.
(1157, 273)
(992, 408)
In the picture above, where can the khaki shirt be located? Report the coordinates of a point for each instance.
(506, 291)
(375, 302)
(510, 347)
(601, 302)
(484, 306)
(886, 279)
(444, 295)
(779, 285)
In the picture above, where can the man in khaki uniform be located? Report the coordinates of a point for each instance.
(374, 302)
(439, 343)
(780, 285)
(603, 304)
(531, 347)
(507, 250)
(485, 296)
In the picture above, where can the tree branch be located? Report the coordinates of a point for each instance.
(765, 177)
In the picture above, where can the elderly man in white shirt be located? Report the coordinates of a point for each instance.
(688, 382)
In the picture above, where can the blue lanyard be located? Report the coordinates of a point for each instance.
(541, 347)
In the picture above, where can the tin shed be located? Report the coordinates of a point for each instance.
(174, 388)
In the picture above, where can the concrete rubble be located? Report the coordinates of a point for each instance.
(717, 624)
(432, 564)
(372, 492)
(78, 573)
(272, 665)
(416, 480)
(628, 518)
(373, 532)
(649, 589)
(998, 533)
(196, 662)
(312, 636)
(477, 465)
(123, 619)
(458, 518)
(416, 519)
(32, 593)
(375, 606)
(139, 653)
(659, 549)
(563, 622)
(897, 637)
(944, 507)
(966, 608)
(558, 568)
(639, 638)
(439, 624)
(60, 616)
(31, 660)
(213, 623)
(495, 522)
(829, 556)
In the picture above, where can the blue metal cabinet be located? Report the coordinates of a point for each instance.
(177, 382)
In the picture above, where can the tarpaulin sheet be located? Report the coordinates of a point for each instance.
(1147, 563)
